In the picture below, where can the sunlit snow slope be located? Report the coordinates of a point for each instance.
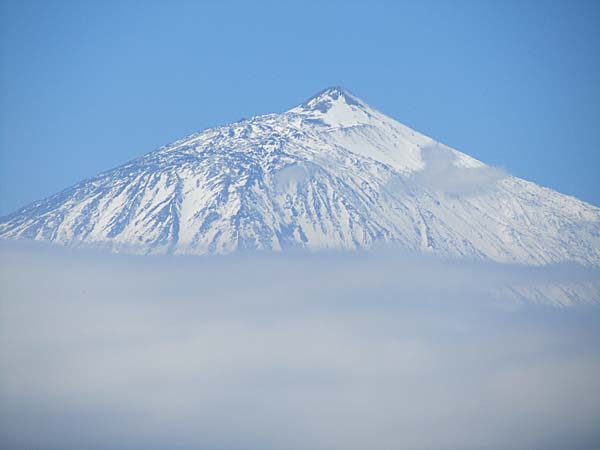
(332, 173)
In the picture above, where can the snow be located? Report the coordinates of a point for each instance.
(331, 173)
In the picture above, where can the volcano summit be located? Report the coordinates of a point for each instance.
(331, 173)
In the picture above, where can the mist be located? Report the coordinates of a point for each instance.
(441, 174)
(367, 350)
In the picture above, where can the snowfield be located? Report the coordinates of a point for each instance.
(332, 173)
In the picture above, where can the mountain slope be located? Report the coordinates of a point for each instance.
(332, 173)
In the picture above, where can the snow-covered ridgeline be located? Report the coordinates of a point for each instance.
(332, 173)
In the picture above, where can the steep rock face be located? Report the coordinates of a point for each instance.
(332, 173)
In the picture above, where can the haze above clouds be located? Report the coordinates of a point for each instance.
(335, 351)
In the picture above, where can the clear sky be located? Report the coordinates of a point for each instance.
(86, 86)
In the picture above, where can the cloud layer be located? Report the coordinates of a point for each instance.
(331, 351)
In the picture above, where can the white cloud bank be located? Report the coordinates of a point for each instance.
(366, 351)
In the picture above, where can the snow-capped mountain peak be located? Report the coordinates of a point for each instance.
(325, 99)
(331, 173)
(335, 107)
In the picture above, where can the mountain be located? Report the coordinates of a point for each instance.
(331, 173)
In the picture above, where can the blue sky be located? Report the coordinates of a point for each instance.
(85, 86)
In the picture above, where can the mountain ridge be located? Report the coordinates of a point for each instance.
(330, 173)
